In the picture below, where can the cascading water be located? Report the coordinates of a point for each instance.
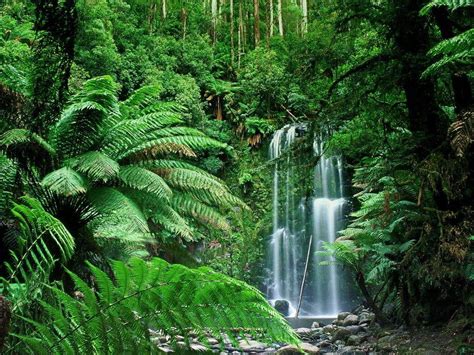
(321, 214)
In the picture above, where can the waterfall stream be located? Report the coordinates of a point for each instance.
(320, 212)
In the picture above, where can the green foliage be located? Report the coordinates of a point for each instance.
(141, 297)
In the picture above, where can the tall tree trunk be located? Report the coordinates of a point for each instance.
(163, 8)
(231, 26)
(270, 26)
(256, 21)
(214, 20)
(241, 31)
(412, 39)
(304, 19)
(280, 17)
(184, 20)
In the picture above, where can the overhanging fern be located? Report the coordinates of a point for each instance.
(117, 318)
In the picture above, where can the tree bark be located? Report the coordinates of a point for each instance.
(412, 41)
(280, 17)
(231, 26)
(214, 20)
(270, 26)
(304, 19)
(163, 8)
(241, 33)
(256, 21)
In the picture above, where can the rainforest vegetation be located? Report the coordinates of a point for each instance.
(135, 184)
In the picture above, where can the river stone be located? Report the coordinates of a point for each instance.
(341, 334)
(249, 345)
(212, 341)
(293, 349)
(283, 306)
(354, 340)
(343, 315)
(329, 329)
(354, 329)
(304, 331)
(315, 325)
(351, 319)
(366, 317)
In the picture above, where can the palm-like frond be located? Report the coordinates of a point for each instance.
(186, 145)
(19, 136)
(95, 165)
(92, 111)
(144, 180)
(117, 318)
(456, 53)
(202, 212)
(65, 181)
(119, 214)
(8, 171)
(450, 4)
(39, 233)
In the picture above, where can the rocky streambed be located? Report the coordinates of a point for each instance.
(350, 333)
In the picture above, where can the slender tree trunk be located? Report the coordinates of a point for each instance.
(304, 19)
(232, 54)
(270, 27)
(214, 20)
(184, 20)
(163, 8)
(241, 32)
(280, 17)
(256, 21)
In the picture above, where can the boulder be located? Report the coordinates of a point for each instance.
(354, 340)
(341, 334)
(366, 317)
(251, 345)
(304, 332)
(283, 306)
(351, 319)
(329, 329)
(343, 315)
(293, 349)
(315, 325)
(354, 329)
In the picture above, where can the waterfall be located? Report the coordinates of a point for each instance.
(296, 218)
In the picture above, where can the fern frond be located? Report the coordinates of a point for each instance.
(156, 295)
(40, 232)
(461, 133)
(203, 213)
(65, 181)
(144, 180)
(119, 214)
(23, 136)
(450, 4)
(95, 165)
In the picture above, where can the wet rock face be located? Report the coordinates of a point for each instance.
(283, 306)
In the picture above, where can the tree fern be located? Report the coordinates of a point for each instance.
(33, 259)
(456, 53)
(118, 317)
(65, 181)
(450, 4)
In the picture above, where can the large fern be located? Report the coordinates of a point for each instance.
(455, 53)
(140, 149)
(142, 296)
